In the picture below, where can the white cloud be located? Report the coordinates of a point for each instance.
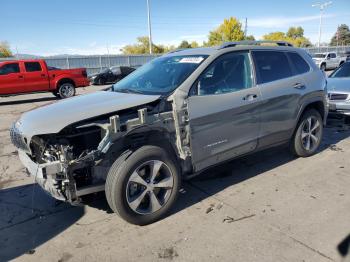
(281, 22)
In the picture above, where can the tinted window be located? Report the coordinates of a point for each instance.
(9, 68)
(343, 71)
(271, 66)
(299, 63)
(32, 66)
(332, 55)
(229, 73)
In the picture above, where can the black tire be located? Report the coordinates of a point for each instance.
(101, 81)
(56, 94)
(305, 146)
(110, 179)
(323, 67)
(66, 90)
(118, 184)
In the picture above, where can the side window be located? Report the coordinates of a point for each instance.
(229, 73)
(271, 66)
(9, 69)
(32, 66)
(300, 65)
(333, 55)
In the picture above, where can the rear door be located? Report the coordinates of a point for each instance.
(281, 90)
(35, 77)
(11, 79)
(223, 110)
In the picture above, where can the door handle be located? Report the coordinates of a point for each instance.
(250, 97)
(299, 86)
(20, 77)
(43, 75)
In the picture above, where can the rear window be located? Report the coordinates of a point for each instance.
(271, 66)
(300, 65)
(32, 66)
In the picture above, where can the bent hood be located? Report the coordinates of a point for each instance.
(54, 117)
(338, 84)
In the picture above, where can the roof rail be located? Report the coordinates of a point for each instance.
(176, 50)
(232, 44)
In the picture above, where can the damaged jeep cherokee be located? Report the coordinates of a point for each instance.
(171, 119)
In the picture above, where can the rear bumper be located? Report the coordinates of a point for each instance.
(82, 82)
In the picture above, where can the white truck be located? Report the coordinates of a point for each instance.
(328, 60)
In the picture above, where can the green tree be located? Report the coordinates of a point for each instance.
(184, 44)
(5, 50)
(294, 35)
(342, 36)
(229, 30)
(142, 47)
(249, 38)
(295, 32)
(194, 44)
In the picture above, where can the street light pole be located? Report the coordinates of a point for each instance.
(322, 6)
(149, 27)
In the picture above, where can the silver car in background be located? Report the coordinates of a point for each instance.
(339, 90)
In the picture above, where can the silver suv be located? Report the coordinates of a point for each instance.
(171, 119)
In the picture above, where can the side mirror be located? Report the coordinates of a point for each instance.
(328, 57)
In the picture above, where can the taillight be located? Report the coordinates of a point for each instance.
(84, 73)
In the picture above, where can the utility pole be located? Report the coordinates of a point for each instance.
(322, 7)
(149, 27)
(245, 28)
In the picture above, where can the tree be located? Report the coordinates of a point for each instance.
(229, 30)
(184, 44)
(342, 36)
(295, 32)
(5, 49)
(194, 44)
(295, 35)
(142, 47)
(250, 38)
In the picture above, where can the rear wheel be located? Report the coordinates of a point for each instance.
(66, 90)
(143, 187)
(308, 135)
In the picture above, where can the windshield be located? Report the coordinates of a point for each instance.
(319, 55)
(160, 76)
(343, 71)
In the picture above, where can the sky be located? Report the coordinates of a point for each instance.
(85, 27)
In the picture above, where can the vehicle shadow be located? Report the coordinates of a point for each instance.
(27, 101)
(25, 225)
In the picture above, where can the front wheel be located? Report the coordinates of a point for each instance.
(142, 188)
(308, 135)
(66, 90)
(323, 67)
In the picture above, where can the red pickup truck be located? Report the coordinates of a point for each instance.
(29, 76)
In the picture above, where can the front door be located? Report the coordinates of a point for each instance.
(223, 111)
(11, 79)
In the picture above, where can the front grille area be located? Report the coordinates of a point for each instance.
(17, 138)
(337, 97)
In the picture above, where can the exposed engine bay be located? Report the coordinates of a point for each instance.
(76, 161)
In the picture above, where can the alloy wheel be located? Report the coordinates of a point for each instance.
(149, 187)
(311, 133)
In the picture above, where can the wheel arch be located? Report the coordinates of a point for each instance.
(315, 103)
(64, 80)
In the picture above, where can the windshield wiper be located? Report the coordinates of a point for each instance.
(127, 90)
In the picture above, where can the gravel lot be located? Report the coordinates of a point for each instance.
(265, 207)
